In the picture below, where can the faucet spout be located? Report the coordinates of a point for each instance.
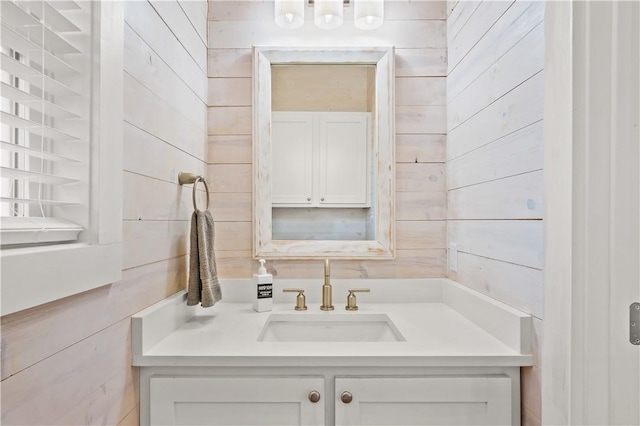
(327, 304)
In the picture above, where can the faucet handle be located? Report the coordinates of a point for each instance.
(301, 301)
(351, 298)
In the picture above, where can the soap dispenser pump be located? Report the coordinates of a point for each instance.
(264, 289)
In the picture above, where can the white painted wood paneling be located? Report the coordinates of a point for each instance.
(421, 148)
(196, 10)
(229, 120)
(421, 234)
(145, 21)
(420, 91)
(149, 241)
(482, 19)
(174, 17)
(514, 241)
(519, 19)
(402, 34)
(517, 197)
(233, 236)
(421, 119)
(407, 9)
(230, 207)
(517, 109)
(229, 62)
(167, 162)
(421, 62)
(421, 205)
(230, 149)
(459, 16)
(412, 263)
(230, 178)
(71, 376)
(229, 92)
(520, 63)
(415, 177)
(518, 152)
(143, 64)
(151, 114)
(516, 285)
(153, 199)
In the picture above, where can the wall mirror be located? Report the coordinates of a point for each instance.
(323, 142)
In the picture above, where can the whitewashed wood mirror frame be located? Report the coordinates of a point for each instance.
(383, 142)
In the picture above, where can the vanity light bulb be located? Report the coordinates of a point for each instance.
(328, 14)
(289, 13)
(368, 14)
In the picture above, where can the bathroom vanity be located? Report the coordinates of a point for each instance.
(417, 351)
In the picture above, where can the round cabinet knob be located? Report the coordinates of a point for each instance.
(308, 198)
(314, 396)
(322, 199)
(346, 397)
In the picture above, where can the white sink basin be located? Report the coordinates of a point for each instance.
(329, 327)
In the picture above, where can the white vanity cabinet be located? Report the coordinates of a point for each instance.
(320, 159)
(459, 397)
(236, 401)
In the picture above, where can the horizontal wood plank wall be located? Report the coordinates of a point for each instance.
(418, 32)
(69, 362)
(495, 86)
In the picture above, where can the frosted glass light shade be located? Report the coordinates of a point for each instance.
(328, 14)
(289, 13)
(368, 14)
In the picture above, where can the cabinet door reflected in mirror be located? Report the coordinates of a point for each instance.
(323, 144)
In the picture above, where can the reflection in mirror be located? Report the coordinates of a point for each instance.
(323, 179)
(323, 152)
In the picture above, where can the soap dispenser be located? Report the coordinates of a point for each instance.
(264, 289)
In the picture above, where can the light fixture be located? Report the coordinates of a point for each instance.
(289, 13)
(368, 14)
(328, 14)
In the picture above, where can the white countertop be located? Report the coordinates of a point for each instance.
(226, 335)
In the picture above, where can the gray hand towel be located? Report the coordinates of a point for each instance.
(203, 276)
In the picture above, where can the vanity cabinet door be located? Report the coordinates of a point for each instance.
(292, 159)
(236, 401)
(477, 400)
(343, 174)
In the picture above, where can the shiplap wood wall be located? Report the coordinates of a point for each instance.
(495, 87)
(69, 362)
(418, 31)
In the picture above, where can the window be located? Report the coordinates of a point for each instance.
(60, 147)
(45, 107)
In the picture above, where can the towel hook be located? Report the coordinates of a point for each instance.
(185, 178)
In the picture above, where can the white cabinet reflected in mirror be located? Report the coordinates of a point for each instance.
(323, 152)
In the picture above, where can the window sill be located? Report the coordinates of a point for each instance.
(32, 276)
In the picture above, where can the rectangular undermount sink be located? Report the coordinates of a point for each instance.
(329, 327)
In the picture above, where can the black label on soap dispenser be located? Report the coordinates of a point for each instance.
(265, 291)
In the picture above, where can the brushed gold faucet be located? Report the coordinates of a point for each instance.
(327, 304)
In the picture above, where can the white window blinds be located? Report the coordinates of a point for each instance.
(45, 63)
